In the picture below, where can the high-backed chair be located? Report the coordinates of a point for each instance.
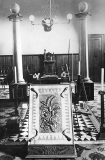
(49, 64)
(49, 74)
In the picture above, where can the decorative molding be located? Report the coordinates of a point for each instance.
(83, 15)
(51, 150)
(15, 17)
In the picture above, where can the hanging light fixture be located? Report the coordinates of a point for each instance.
(47, 22)
(49, 12)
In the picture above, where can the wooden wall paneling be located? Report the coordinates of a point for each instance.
(9, 60)
(60, 63)
(73, 62)
(8, 66)
(55, 57)
(37, 62)
(37, 65)
(24, 60)
(1, 64)
(29, 59)
(64, 59)
(6, 63)
(70, 65)
(75, 66)
(33, 61)
(41, 64)
(1, 60)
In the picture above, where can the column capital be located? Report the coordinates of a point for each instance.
(83, 15)
(14, 17)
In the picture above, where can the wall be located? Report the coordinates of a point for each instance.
(35, 40)
(35, 64)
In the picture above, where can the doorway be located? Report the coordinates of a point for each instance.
(96, 56)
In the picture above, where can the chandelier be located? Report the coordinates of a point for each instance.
(50, 12)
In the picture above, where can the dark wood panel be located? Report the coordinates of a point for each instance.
(36, 63)
(6, 60)
(62, 60)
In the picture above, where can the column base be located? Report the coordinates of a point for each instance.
(21, 82)
(101, 134)
(87, 79)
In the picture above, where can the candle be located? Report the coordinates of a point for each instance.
(72, 67)
(45, 54)
(78, 67)
(15, 74)
(67, 68)
(102, 79)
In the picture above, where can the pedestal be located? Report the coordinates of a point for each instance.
(84, 90)
(101, 135)
(18, 92)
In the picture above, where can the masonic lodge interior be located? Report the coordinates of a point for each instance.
(52, 59)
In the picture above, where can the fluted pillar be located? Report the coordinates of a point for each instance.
(15, 17)
(82, 17)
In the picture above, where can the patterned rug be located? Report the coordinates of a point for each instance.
(84, 151)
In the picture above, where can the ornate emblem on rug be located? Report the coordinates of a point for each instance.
(96, 156)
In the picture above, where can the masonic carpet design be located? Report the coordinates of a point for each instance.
(84, 129)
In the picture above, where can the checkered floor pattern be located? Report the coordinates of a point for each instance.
(84, 129)
(23, 128)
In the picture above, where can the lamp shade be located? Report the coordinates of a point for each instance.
(82, 7)
(69, 16)
(31, 18)
(15, 8)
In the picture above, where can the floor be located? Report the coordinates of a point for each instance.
(84, 151)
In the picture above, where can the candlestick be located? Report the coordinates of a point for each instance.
(102, 79)
(78, 67)
(67, 68)
(15, 74)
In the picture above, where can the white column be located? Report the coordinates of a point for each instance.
(15, 17)
(83, 41)
(87, 56)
